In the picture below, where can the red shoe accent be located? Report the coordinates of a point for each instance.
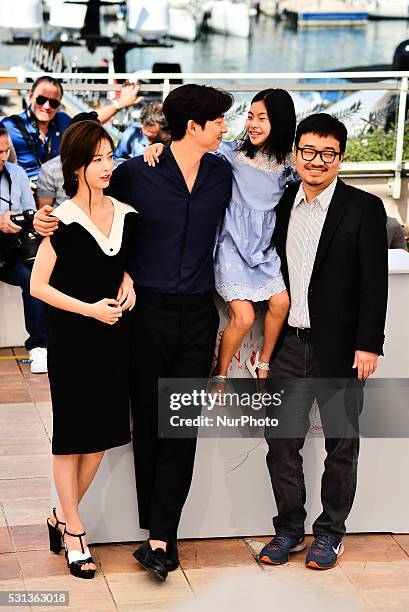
(314, 565)
(265, 559)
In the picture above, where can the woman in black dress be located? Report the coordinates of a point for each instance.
(80, 273)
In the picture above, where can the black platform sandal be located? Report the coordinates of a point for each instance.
(55, 534)
(76, 559)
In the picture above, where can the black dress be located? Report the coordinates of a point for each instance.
(87, 359)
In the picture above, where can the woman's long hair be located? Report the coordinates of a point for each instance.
(281, 113)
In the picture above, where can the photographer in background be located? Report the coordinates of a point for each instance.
(151, 128)
(15, 197)
(36, 132)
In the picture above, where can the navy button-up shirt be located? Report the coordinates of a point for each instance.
(172, 250)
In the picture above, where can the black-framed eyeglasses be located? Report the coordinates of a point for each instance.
(54, 103)
(327, 157)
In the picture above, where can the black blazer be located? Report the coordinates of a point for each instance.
(348, 290)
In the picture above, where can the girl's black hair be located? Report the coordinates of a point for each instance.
(281, 113)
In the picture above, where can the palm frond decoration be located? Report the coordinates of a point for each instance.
(236, 112)
(381, 116)
(347, 113)
(318, 108)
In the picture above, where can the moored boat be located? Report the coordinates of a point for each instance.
(63, 15)
(22, 15)
(228, 17)
(271, 8)
(185, 19)
(388, 9)
(302, 13)
(150, 20)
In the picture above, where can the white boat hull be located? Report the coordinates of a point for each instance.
(21, 14)
(334, 13)
(269, 7)
(183, 25)
(230, 18)
(388, 9)
(149, 19)
(63, 15)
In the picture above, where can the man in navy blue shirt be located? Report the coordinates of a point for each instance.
(181, 202)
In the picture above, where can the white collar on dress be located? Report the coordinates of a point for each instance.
(68, 212)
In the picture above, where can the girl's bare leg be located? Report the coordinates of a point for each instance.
(242, 319)
(278, 306)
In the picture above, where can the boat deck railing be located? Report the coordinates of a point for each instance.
(82, 92)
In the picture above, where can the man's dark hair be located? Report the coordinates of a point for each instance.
(48, 79)
(281, 114)
(199, 103)
(323, 125)
(91, 116)
(4, 131)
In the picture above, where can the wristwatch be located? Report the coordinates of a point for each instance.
(115, 103)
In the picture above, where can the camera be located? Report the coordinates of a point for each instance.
(27, 241)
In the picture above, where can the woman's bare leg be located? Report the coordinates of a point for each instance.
(73, 475)
(242, 319)
(88, 465)
(87, 468)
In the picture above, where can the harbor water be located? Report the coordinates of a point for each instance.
(273, 47)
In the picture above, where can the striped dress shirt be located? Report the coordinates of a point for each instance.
(304, 232)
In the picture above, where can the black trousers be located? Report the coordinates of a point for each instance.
(173, 337)
(295, 359)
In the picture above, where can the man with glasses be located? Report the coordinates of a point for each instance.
(36, 132)
(331, 239)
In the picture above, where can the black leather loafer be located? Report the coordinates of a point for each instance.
(172, 556)
(154, 561)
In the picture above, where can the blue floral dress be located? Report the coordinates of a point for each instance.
(247, 266)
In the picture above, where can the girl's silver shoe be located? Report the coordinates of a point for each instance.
(252, 367)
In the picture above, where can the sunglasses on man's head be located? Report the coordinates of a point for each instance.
(54, 103)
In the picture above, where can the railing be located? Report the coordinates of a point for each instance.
(77, 84)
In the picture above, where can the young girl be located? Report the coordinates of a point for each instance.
(78, 271)
(247, 267)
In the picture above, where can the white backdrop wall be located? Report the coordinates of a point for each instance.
(231, 492)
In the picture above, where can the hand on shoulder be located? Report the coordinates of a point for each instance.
(152, 153)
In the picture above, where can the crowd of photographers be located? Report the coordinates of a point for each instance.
(31, 177)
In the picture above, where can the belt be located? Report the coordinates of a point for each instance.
(303, 333)
(195, 299)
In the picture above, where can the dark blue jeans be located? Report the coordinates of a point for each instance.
(34, 310)
(295, 359)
